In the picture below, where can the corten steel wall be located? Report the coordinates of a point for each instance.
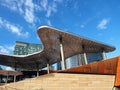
(106, 67)
(117, 81)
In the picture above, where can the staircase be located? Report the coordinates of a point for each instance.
(63, 81)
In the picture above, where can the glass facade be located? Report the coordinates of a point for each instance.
(78, 60)
(58, 65)
(72, 62)
(91, 57)
(23, 48)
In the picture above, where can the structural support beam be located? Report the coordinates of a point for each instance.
(85, 58)
(14, 78)
(104, 55)
(6, 79)
(37, 65)
(62, 57)
(37, 72)
(84, 55)
(80, 62)
(48, 68)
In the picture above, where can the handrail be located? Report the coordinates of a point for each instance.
(12, 88)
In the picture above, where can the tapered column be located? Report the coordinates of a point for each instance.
(6, 79)
(48, 68)
(37, 65)
(85, 58)
(62, 53)
(79, 60)
(104, 55)
(62, 57)
(37, 72)
(84, 54)
(14, 78)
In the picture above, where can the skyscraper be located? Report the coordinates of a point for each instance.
(23, 48)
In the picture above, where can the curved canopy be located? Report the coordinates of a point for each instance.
(51, 39)
(10, 73)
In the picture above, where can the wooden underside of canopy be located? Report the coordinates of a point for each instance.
(51, 39)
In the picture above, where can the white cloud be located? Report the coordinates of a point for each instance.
(103, 24)
(82, 26)
(7, 49)
(49, 7)
(29, 17)
(24, 7)
(10, 48)
(13, 28)
(27, 8)
(3, 50)
(9, 4)
(9, 69)
(29, 11)
(44, 4)
(1, 22)
(49, 22)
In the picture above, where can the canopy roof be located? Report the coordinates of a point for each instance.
(51, 39)
(10, 73)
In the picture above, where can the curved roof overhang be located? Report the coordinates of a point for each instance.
(10, 73)
(51, 39)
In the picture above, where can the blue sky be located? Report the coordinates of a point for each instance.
(95, 19)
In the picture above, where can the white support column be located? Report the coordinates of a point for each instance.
(104, 55)
(37, 72)
(6, 79)
(48, 68)
(85, 58)
(62, 57)
(14, 78)
(37, 66)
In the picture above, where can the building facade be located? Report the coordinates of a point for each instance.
(79, 60)
(23, 48)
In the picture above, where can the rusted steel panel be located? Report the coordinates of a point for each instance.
(108, 66)
(117, 79)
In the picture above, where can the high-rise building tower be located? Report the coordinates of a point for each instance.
(23, 48)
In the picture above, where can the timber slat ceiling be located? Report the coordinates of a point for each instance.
(51, 39)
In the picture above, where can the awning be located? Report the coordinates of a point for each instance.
(51, 39)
